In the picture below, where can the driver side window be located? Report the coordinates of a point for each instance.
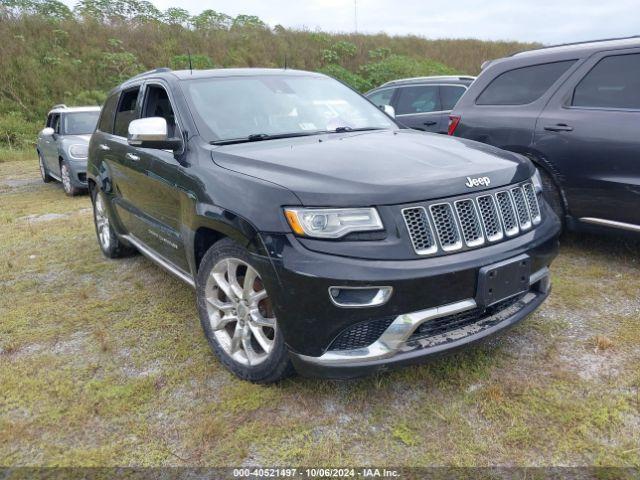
(157, 104)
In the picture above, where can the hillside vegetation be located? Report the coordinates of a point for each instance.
(51, 54)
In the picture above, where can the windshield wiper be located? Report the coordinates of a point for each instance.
(350, 129)
(258, 137)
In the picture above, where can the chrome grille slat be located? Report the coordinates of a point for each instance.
(522, 210)
(473, 221)
(508, 213)
(420, 231)
(490, 217)
(469, 222)
(532, 202)
(446, 226)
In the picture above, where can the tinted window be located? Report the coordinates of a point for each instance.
(383, 97)
(49, 120)
(613, 83)
(418, 100)
(450, 94)
(522, 85)
(157, 104)
(55, 123)
(80, 123)
(126, 112)
(105, 124)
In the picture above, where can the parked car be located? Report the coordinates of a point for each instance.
(574, 110)
(316, 232)
(422, 103)
(63, 145)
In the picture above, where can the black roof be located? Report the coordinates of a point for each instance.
(582, 47)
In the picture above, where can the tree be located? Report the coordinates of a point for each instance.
(177, 16)
(212, 20)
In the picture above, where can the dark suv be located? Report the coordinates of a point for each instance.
(316, 232)
(422, 103)
(574, 110)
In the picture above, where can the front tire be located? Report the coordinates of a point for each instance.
(67, 183)
(109, 243)
(237, 317)
(46, 178)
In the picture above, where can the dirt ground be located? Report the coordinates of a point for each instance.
(104, 363)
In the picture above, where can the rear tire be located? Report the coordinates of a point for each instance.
(236, 315)
(46, 178)
(552, 195)
(67, 183)
(109, 243)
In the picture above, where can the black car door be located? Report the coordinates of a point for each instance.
(129, 169)
(419, 107)
(589, 131)
(167, 188)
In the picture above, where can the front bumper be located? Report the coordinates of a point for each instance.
(398, 347)
(78, 173)
(299, 281)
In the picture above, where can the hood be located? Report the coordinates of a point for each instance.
(375, 168)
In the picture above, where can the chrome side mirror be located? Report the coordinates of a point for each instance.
(151, 133)
(145, 130)
(47, 132)
(389, 110)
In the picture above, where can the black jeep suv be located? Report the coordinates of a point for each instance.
(574, 110)
(316, 232)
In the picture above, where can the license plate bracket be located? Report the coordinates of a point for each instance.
(503, 280)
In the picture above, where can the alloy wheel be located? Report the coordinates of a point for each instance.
(102, 223)
(240, 312)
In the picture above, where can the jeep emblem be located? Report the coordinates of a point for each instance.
(477, 182)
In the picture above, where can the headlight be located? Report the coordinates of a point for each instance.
(79, 151)
(537, 181)
(332, 222)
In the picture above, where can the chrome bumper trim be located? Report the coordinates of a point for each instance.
(403, 326)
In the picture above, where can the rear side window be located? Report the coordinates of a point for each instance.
(522, 85)
(613, 83)
(105, 124)
(383, 97)
(126, 112)
(449, 95)
(421, 99)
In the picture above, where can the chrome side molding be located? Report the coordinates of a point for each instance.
(182, 275)
(631, 227)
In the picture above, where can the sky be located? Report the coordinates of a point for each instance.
(544, 21)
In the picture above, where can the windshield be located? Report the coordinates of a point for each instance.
(80, 123)
(231, 108)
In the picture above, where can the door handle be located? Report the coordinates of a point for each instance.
(430, 123)
(131, 156)
(559, 127)
(104, 147)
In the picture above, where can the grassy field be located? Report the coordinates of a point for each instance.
(104, 363)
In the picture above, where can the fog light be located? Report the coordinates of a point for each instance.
(357, 297)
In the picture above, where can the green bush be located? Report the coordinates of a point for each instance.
(16, 132)
(344, 75)
(400, 66)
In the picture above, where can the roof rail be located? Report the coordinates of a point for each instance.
(585, 42)
(60, 105)
(431, 77)
(155, 70)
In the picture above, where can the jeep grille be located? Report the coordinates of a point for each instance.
(471, 222)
